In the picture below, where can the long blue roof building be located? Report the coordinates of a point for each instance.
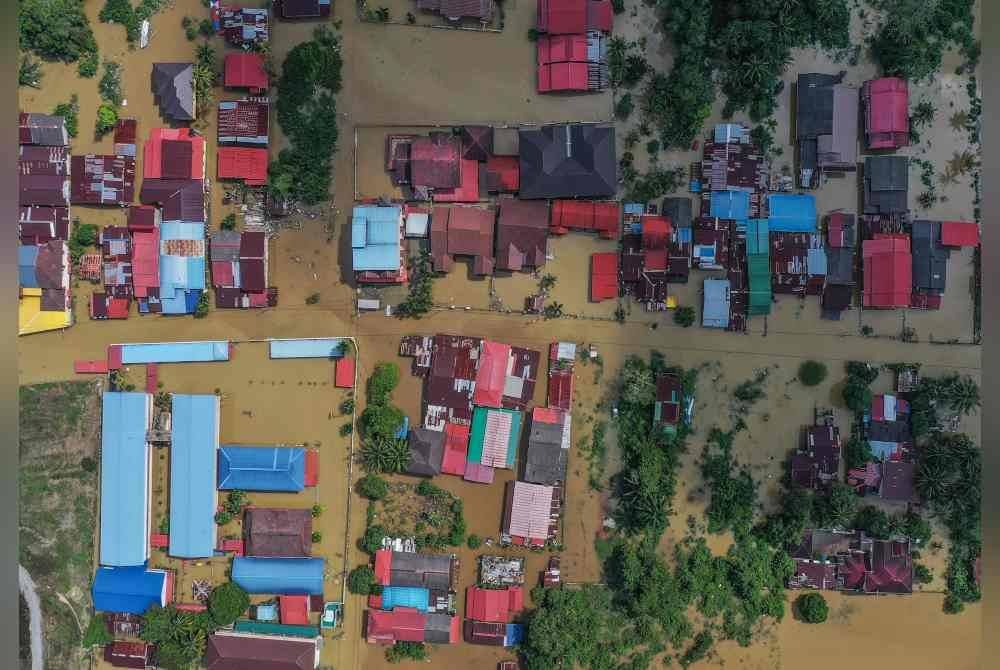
(194, 442)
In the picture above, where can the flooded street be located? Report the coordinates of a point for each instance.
(398, 76)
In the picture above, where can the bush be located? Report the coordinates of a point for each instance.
(373, 487)
(812, 373)
(346, 429)
(29, 72)
(70, 111)
(636, 68)
(361, 580)
(922, 574)
(223, 517)
(316, 510)
(55, 29)
(618, 6)
(236, 500)
(474, 542)
(88, 65)
(406, 651)
(227, 602)
(347, 407)
(372, 540)
(97, 633)
(110, 85)
(201, 311)
(205, 28)
(420, 299)
(624, 107)
(107, 117)
(684, 316)
(317, 536)
(812, 607)
(383, 381)
(191, 33)
(312, 298)
(229, 222)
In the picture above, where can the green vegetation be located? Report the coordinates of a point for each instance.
(236, 502)
(122, 12)
(837, 508)
(751, 390)
(406, 651)
(473, 542)
(55, 29)
(312, 298)
(922, 574)
(29, 72)
(385, 454)
(421, 296)
(433, 517)
(227, 603)
(914, 34)
(83, 237)
(107, 117)
(88, 65)
(960, 394)
(179, 636)
(347, 407)
(734, 494)
(553, 640)
(307, 112)
(655, 183)
(97, 634)
(201, 310)
(857, 396)
(624, 107)
(812, 607)
(373, 487)
(110, 85)
(362, 581)
(317, 536)
(595, 451)
(857, 451)
(684, 316)
(205, 28)
(205, 74)
(228, 222)
(71, 112)
(812, 373)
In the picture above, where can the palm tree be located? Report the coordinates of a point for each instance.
(962, 394)
(933, 483)
(383, 454)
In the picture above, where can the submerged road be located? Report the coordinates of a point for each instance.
(27, 587)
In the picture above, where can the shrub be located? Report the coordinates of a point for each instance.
(70, 111)
(347, 407)
(317, 510)
(223, 517)
(812, 373)
(618, 6)
(227, 602)
(361, 580)
(812, 607)
(474, 542)
(88, 65)
(190, 33)
(922, 574)
(205, 28)
(373, 487)
(187, 22)
(372, 540)
(29, 72)
(229, 222)
(312, 298)
(201, 311)
(317, 536)
(107, 117)
(406, 651)
(88, 464)
(684, 316)
(346, 429)
(383, 381)
(110, 85)
(97, 633)
(534, 34)
(624, 107)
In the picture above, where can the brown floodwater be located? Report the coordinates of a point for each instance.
(398, 76)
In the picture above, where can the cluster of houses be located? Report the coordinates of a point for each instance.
(272, 556)
(572, 45)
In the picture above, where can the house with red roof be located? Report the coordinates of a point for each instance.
(125, 654)
(435, 161)
(248, 165)
(563, 17)
(491, 374)
(493, 605)
(500, 174)
(245, 70)
(456, 449)
(959, 233)
(243, 122)
(603, 276)
(888, 271)
(851, 561)
(102, 180)
(173, 153)
(463, 231)
(572, 62)
(294, 609)
(468, 186)
(239, 269)
(886, 104)
(604, 218)
(522, 234)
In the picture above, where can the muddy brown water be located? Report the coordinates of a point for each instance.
(400, 75)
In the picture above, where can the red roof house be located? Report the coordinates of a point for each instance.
(456, 449)
(245, 70)
(123, 654)
(491, 375)
(294, 610)
(522, 232)
(247, 164)
(173, 153)
(561, 17)
(959, 233)
(603, 276)
(402, 624)
(493, 605)
(563, 63)
(655, 232)
(888, 271)
(502, 173)
(435, 161)
(468, 188)
(887, 117)
(102, 180)
(602, 217)
(344, 376)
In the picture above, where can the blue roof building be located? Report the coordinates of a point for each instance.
(175, 352)
(194, 441)
(733, 205)
(262, 468)
(290, 576)
(792, 212)
(27, 256)
(514, 635)
(731, 132)
(182, 266)
(376, 237)
(125, 462)
(715, 312)
(132, 590)
(324, 347)
(405, 596)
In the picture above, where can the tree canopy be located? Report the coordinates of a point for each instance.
(55, 29)
(227, 602)
(812, 607)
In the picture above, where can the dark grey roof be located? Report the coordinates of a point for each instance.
(886, 184)
(432, 571)
(426, 452)
(545, 460)
(46, 130)
(814, 105)
(836, 297)
(679, 211)
(438, 628)
(567, 160)
(224, 245)
(840, 265)
(181, 199)
(173, 87)
(930, 259)
(889, 431)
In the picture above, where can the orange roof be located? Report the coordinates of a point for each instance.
(294, 609)
(250, 165)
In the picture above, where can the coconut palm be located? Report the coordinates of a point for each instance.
(962, 395)
(382, 454)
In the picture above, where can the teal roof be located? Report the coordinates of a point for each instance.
(125, 418)
(375, 237)
(194, 441)
(757, 237)
(405, 596)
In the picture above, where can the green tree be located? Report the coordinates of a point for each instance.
(553, 640)
(97, 633)
(29, 72)
(71, 112)
(362, 580)
(372, 539)
(838, 507)
(962, 394)
(857, 452)
(201, 310)
(110, 85)
(55, 29)
(384, 379)
(380, 422)
(347, 406)
(812, 607)
(373, 487)
(107, 117)
(474, 542)
(873, 521)
(228, 222)
(922, 574)
(812, 373)
(684, 316)
(406, 651)
(387, 455)
(227, 602)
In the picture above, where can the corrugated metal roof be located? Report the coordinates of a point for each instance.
(279, 575)
(715, 312)
(261, 468)
(131, 590)
(326, 347)
(530, 511)
(375, 237)
(792, 212)
(125, 463)
(194, 441)
(733, 205)
(175, 352)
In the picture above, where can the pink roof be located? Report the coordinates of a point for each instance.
(311, 477)
(157, 163)
(959, 234)
(491, 374)
(402, 624)
(250, 165)
(887, 121)
(344, 377)
(479, 473)
(496, 439)
(245, 70)
(456, 446)
(563, 77)
(145, 261)
(530, 511)
(493, 605)
(468, 190)
(888, 271)
(294, 610)
(152, 377)
(90, 367)
(222, 274)
(383, 566)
